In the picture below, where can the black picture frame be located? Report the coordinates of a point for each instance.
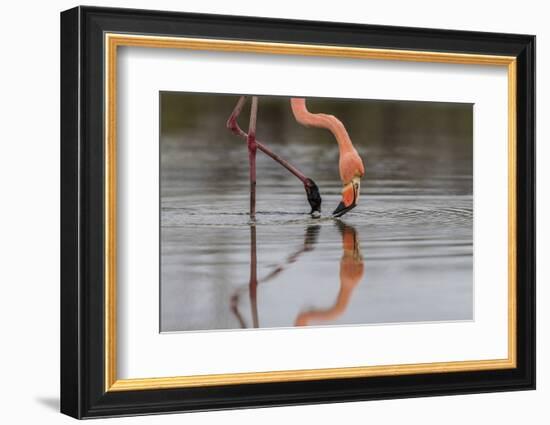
(83, 392)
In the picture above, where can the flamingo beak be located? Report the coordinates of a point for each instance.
(350, 196)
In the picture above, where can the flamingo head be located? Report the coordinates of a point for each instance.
(350, 197)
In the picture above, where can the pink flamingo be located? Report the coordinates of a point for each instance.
(350, 164)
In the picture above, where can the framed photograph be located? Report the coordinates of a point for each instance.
(261, 212)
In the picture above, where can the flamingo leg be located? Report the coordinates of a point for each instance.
(252, 146)
(233, 126)
(232, 120)
(312, 191)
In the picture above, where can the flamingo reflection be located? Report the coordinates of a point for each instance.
(351, 273)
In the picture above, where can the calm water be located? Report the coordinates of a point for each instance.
(404, 254)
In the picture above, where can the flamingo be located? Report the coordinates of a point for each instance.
(350, 164)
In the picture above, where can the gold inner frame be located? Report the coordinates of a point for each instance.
(113, 41)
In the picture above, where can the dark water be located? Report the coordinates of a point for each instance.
(404, 254)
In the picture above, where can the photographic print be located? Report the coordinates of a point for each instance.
(253, 183)
(281, 212)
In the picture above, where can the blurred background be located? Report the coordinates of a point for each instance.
(404, 254)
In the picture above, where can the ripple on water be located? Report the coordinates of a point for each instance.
(380, 212)
(191, 217)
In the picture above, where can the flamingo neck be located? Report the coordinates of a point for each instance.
(330, 122)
